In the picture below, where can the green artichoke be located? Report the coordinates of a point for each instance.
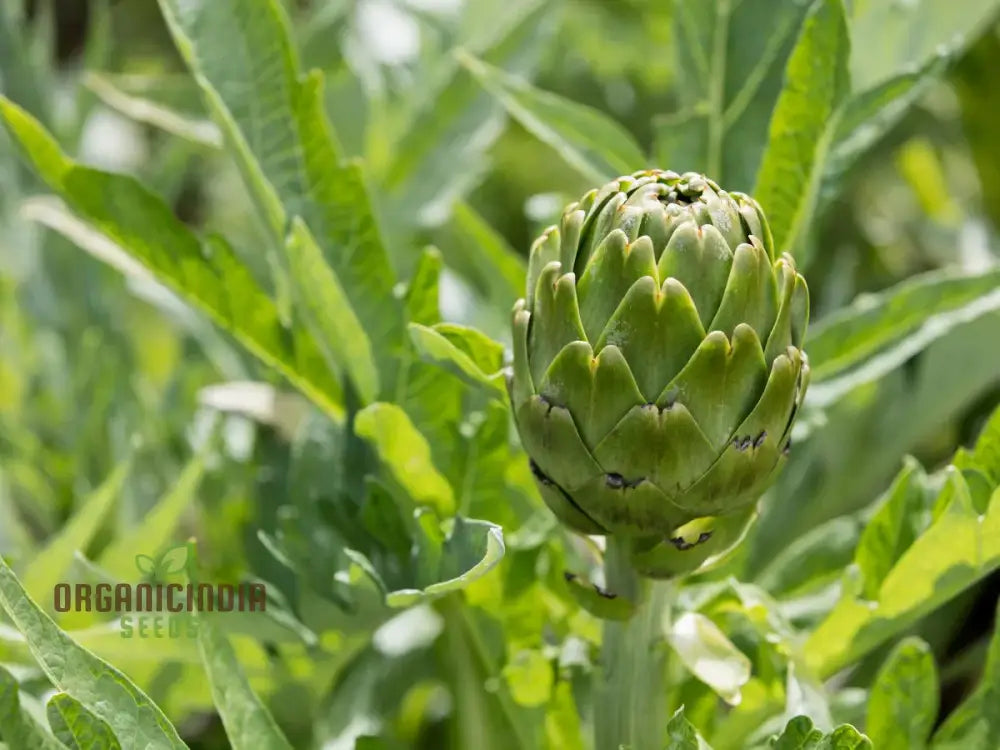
(658, 365)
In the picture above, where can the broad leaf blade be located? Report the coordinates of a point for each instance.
(208, 275)
(854, 333)
(98, 686)
(903, 704)
(733, 57)
(326, 307)
(249, 725)
(405, 454)
(816, 83)
(18, 728)
(958, 547)
(78, 728)
(275, 124)
(587, 139)
(869, 115)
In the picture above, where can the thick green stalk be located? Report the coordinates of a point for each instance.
(630, 692)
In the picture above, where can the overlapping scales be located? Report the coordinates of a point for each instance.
(658, 363)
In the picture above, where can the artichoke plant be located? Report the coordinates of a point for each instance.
(658, 365)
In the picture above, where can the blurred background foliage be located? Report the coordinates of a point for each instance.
(100, 370)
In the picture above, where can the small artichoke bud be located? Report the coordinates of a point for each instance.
(658, 365)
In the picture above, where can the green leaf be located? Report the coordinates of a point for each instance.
(18, 728)
(157, 526)
(802, 125)
(471, 550)
(325, 305)
(957, 549)
(890, 38)
(423, 295)
(206, 274)
(462, 351)
(869, 115)
(853, 335)
(903, 703)
(78, 728)
(900, 518)
(800, 734)
(52, 563)
(816, 558)
(975, 724)
(440, 151)
(733, 56)
(406, 455)
(249, 725)
(710, 656)
(681, 735)
(275, 125)
(590, 142)
(98, 686)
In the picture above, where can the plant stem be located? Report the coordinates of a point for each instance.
(629, 693)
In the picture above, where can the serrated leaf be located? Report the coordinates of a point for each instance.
(18, 728)
(710, 656)
(869, 115)
(733, 55)
(327, 309)
(801, 734)
(873, 322)
(405, 454)
(249, 725)
(816, 82)
(590, 142)
(52, 562)
(98, 686)
(275, 125)
(901, 515)
(457, 349)
(78, 728)
(456, 121)
(206, 274)
(957, 549)
(903, 702)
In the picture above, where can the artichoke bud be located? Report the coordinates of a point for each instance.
(658, 365)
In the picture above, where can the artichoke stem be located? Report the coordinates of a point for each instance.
(630, 693)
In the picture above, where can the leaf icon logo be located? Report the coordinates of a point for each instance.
(145, 564)
(173, 560)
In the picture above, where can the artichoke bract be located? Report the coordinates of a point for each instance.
(658, 365)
